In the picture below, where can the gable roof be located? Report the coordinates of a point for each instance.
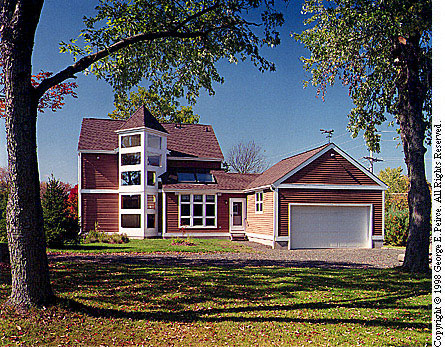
(285, 168)
(142, 118)
(185, 140)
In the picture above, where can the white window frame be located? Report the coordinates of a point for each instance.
(204, 215)
(259, 202)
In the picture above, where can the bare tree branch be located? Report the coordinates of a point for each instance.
(247, 158)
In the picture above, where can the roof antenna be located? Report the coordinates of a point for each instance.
(371, 160)
(329, 134)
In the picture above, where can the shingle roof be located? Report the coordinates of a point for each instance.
(142, 118)
(190, 140)
(223, 181)
(283, 167)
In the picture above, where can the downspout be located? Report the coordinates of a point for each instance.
(164, 212)
(275, 214)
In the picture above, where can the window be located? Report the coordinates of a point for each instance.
(195, 177)
(151, 202)
(154, 159)
(131, 201)
(131, 158)
(151, 178)
(259, 202)
(154, 141)
(197, 210)
(130, 141)
(151, 219)
(131, 220)
(131, 178)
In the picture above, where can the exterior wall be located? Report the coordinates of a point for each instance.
(260, 223)
(100, 208)
(222, 208)
(287, 196)
(99, 171)
(331, 170)
(192, 164)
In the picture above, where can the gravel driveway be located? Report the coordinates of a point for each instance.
(260, 256)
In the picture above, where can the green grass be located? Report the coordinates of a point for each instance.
(116, 304)
(157, 245)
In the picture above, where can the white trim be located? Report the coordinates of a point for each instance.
(102, 191)
(275, 214)
(282, 238)
(202, 191)
(164, 212)
(260, 236)
(187, 233)
(204, 216)
(250, 190)
(98, 151)
(139, 129)
(329, 186)
(259, 202)
(79, 190)
(370, 226)
(377, 238)
(383, 215)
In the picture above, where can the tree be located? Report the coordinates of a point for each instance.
(247, 158)
(161, 108)
(395, 180)
(60, 227)
(382, 51)
(174, 45)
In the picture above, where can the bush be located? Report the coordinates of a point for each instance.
(60, 227)
(96, 235)
(396, 223)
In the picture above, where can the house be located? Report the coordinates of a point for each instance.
(147, 179)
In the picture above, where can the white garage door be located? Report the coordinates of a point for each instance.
(318, 226)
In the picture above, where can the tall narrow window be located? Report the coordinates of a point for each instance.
(151, 219)
(130, 141)
(259, 202)
(197, 210)
(154, 159)
(151, 178)
(154, 141)
(151, 201)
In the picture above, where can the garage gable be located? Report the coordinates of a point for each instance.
(331, 168)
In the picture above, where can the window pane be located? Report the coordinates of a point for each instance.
(154, 160)
(204, 177)
(185, 210)
(150, 220)
(154, 141)
(131, 201)
(131, 158)
(210, 210)
(185, 221)
(197, 210)
(210, 222)
(197, 221)
(131, 221)
(185, 198)
(210, 198)
(186, 177)
(130, 178)
(197, 198)
(131, 141)
(151, 178)
(151, 202)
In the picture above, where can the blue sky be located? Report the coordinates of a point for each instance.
(271, 108)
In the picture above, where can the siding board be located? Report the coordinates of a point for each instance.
(320, 196)
(260, 223)
(100, 171)
(100, 208)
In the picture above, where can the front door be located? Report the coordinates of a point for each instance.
(237, 214)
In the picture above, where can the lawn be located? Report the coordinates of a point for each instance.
(146, 304)
(158, 245)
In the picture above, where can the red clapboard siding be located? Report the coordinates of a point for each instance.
(331, 170)
(100, 208)
(100, 171)
(222, 214)
(314, 196)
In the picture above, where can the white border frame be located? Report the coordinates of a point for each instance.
(289, 217)
(203, 211)
(244, 216)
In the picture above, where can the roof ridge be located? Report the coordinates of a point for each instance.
(310, 150)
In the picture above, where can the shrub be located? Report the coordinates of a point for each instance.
(396, 225)
(96, 235)
(60, 227)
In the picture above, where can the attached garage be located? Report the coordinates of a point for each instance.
(330, 226)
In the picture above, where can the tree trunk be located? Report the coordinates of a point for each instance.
(29, 264)
(412, 130)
